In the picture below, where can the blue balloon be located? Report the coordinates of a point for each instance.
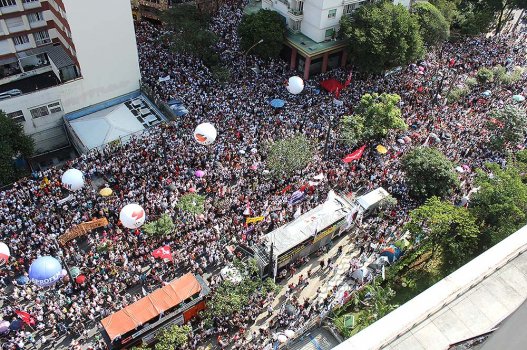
(45, 271)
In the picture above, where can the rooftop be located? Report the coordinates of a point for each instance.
(310, 47)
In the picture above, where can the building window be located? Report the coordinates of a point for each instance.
(14, 23)
(35, 17)
(26, 1)
(17, 116)
(45, 110)
(6, 3)
(330, 32)
(42, 37)
(21, 40)
(349, 9)
(332, 13)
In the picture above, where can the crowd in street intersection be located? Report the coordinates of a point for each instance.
(156, 168)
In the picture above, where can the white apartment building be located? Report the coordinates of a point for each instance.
(60, 56)
(313, 26)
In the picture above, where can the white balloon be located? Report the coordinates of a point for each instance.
(295, 85)
(73, 179)
(4, 253)
(132, 216)
(205, 134)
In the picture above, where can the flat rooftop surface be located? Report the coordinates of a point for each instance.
(36, 82)
(311, 47)
(475, 312)
(317, 339)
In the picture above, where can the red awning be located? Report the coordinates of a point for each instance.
(331, 85)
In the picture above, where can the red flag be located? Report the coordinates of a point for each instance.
(356, 155)
(348, 81)
(163, 253)
(337, 93)
(26, 318)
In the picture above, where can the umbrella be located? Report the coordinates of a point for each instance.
(192, 190)
(105, 192)
(80, 279)
(289, 309)
(199, 173)
(4, 326)
(407, 139)
(22, 280)
(75, 271)
(392, 253)
(518, 98)
(381, 149)
(289, 333)
(486, 93)
(282, 338)
(277, 103)
(359, 274)
(460, 169)
(16, 325)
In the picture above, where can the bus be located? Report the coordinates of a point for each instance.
(138, 323)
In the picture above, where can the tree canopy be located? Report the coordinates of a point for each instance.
(192, 203)
(13, 143)
(265, 25)
(289, 155)
(382, 36)
(445, 228)
(434, 28)
(500, 205)
(508, 127)
(173, 337)
(429, 173)
(160, 227)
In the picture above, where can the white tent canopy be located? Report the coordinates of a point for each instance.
(105, 126)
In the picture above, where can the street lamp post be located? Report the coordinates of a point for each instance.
(249, 49)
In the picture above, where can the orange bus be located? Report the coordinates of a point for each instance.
(138, 323)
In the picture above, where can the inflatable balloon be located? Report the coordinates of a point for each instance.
(45, 271)
(4, 253)
(295, 85)
(73, 179)
(205, 134)
(132, 216)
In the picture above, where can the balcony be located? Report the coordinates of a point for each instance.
(295, 15)
(37, 24)
(31, 5)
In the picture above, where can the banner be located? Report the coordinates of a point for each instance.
(254, 220)
(82, 229)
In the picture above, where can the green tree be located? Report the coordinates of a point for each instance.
(289, 155)
(507, 126)
(379, 301)
(265, 25)
(230, 298)
(448, 8)
(500, 204)
(382, 36)
(173, 337)
(190, 34)
(435, 29)
(13, 143)
(429, 173)
(352, 129)
(484, 76)
(160, 227)
(192, 203)
(476, 17)
(446, 229)
(380, 113)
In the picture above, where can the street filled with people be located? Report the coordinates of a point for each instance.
(155, 169)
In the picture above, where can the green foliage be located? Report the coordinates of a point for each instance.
(382, 36)
(173, 337)
(484, 75)
(435, 29)
(221, 73)
(457, 94)
(190, 31)
(192, 203)
(160, 227)
(379, 301)
(13, 143)
(429, 173)
(265, 25)
(475, 18)
(500, 205)
(381, 113)
(289, 155)
(512, 77)
(352, 129)
(443, 227)
(508, 127)
(448, 8)
(230, 298)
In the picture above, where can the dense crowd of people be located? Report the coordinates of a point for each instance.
(156, 168)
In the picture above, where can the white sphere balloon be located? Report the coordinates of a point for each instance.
(132, 216)
(205, 134)
(4, 253)
(73, 179)
(295, 85)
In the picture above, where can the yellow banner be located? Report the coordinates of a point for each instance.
(254, 219)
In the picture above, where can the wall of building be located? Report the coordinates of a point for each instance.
(107, 54)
